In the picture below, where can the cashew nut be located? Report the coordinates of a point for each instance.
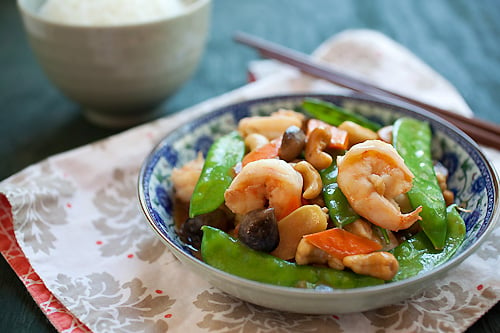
(382, 265)
(449, 197)
(290, 113)
(312, 180)
(305, 220)
(364, 229)
(255, 140)
(309, 254)
(335, 263)
(360, 228)
(357, 133)
(385, 134)
(316, 143)
(271, 127)
(442, 177)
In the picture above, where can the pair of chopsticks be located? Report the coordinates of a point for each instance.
(481, 131)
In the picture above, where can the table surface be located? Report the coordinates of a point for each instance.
(458, 38)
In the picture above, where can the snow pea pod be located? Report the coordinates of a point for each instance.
(217, 174)
(341, 213)
(335, 115)
(412, 139)
(417, 254)
(228, 254)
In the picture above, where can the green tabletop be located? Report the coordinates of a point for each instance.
(458, 38)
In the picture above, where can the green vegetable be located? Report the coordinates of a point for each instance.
(412, 139)
(228, 254)
(417, 254)
(339, 209)
(217, 174)
(385, 234)
(335, 115)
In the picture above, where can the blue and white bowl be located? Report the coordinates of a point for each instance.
(471, 178)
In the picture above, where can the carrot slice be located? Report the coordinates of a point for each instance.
(269, 150)
(341, 243)
(340, 138)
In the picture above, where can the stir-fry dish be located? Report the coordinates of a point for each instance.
(322, 198)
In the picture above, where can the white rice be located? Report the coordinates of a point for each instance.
(109, 12)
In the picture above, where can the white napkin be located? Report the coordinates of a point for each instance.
(77, 220)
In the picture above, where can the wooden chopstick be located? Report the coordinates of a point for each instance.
(483, 132)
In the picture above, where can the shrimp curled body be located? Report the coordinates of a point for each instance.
(262, 182)
(371, 174)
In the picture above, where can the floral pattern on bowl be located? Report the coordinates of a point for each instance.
(471, 178)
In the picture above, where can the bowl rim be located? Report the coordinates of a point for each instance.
(196, 5)
(302, 292)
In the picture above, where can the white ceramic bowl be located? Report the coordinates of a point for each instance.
(471, 177)
(119, 73)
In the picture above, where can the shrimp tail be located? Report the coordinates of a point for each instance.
(409, 218)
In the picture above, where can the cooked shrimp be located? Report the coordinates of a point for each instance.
(371, 174)
(185, 178)
(262, 182)
(272, 126)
